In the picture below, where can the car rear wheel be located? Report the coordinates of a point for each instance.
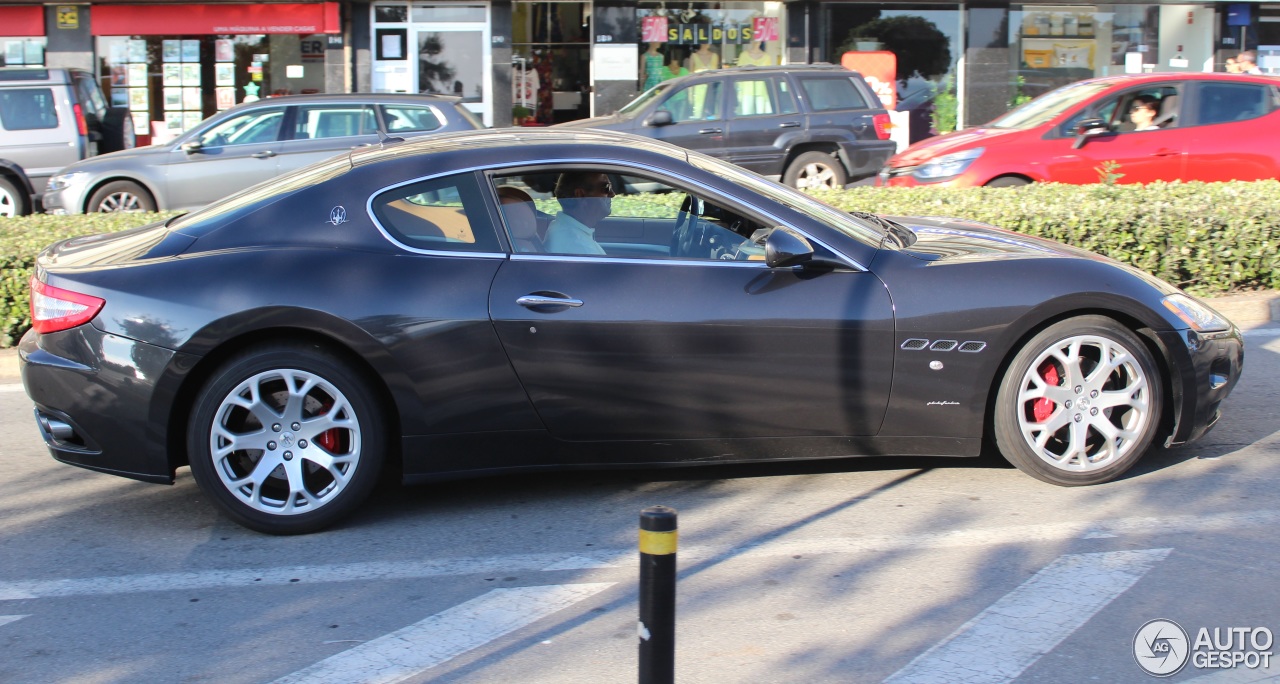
(286, 439)
(1080, 403)
(121, 196)
(815, 171)
(1008, 182)
(12, 203)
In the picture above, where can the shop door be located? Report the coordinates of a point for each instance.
(453, 59)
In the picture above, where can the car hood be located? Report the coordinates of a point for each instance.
(958, 141)
(112, 158)
(945, 239)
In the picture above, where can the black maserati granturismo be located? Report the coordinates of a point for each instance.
(498, 301)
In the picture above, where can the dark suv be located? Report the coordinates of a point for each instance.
(813, 126)
(50, 118)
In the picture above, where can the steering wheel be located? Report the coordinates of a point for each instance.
(688, 238)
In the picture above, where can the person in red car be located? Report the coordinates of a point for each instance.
(1143, 113)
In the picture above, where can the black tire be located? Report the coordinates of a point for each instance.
(121, 196)
(1091, 424)
(325, 448)
(1008, 182)
(117, 131)
(13, 201)
(815, 170)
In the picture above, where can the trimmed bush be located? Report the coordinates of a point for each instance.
(1208, 238)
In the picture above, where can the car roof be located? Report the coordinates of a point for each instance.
(1129, 79)
(516, 144)
(21, 75)
(362, 98)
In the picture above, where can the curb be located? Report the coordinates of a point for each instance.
(1245, 310)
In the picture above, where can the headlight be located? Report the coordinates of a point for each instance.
(948, 165)
(1196, 314)
(62, 180)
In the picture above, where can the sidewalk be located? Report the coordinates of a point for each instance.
(1253, 310)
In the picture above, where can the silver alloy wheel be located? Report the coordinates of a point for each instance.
(8, 204)
(1084, 403)
(120, 201)
(285, 442)
(816, 176)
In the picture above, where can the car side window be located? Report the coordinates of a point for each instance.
(582, 211)
(256, 126)
(698, 102)
(826, 94)
(442, 214)
(28, 109)
(90, 95)
(786, 100)
(334, 121)
(410, 118)
(751, 97)
(1227, 102)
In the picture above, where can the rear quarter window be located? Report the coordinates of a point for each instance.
(408, 118)
(1227, 102)
(442, 214)
(826, 94)
(27, 109)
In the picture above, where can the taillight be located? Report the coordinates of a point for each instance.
(54, 309)
(883, 126)
(80, 122)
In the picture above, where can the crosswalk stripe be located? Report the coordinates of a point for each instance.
(6, 619)
(11, 387)
(406, 652)
(1013, 633)
(392, 570)
(1237, 675)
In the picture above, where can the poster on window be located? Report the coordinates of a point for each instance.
(137, 74)
(119, 75)
(172, 99)
(222, 50)
(13, 52)
(190, 74)
(191, 98)
(764, 28)
(137, 51)
(225, 98)
(171, 51)
(173, 122)
(653, 30)
(141, 123)
(172, 75)
(138, 100)
(191, 51)
(191, 119)
(224, 74)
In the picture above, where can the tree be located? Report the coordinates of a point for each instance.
(922, 49)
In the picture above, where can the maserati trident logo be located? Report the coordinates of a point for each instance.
(1161, 648)
(338, 215)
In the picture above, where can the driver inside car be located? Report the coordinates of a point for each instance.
(586, 198)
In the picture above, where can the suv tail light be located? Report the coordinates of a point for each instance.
(80, 122)
(54, 309)
(883, 126)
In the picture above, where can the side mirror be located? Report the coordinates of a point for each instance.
(785, 247)
(1089, 128)
(192, 147)
(661, 117)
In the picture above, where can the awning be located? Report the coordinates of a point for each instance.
(170, 20)
(24, 20)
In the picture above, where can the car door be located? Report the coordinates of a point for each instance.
(320, 131)
(1232, 131)
(231, 154)
(761, 118)
(708, 343)
(697, 117)
(1136, 156)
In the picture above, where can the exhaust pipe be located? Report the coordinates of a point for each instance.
(57, 429)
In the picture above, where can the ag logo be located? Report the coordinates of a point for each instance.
(1161, 648)
(338, 215)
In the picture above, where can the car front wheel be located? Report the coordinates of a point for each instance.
(286, 439)
(121, 196)
(12, 202)
(815, 171)
(1080, 403)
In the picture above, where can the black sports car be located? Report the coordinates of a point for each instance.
(500, 301)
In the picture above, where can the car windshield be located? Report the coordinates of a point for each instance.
(1048, 106)
(633, 109)
(792, 199)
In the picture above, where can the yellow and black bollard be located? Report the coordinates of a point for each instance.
(657, 595)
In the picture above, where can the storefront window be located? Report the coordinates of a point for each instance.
(171, 83)
(704, 36)
(1052, 46)
(22, 51)
(551, 68)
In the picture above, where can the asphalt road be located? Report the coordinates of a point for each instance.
(901, 570)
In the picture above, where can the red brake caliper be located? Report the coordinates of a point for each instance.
(1043, 408)
(330, 439)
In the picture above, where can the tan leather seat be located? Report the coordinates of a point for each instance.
(522, 225)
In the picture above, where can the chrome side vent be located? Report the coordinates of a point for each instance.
(943, 345)
(972, 347)
(915, 344)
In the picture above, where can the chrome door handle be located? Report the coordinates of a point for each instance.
(789, 124)
(531, 301)
(710, 131)
(263, 155)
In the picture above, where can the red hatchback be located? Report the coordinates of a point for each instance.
(1185, 126)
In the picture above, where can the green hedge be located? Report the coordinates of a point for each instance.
(1208, 238)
